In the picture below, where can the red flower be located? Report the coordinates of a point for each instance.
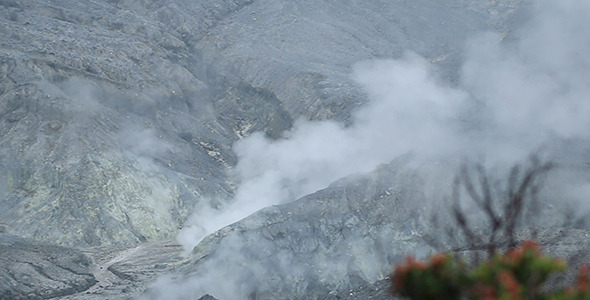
(510, 284)
(531, 246)
(398, 276)
(438, 260)
(583, 278)
(485, 292)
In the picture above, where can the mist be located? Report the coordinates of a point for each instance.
(516, 94)
(313, 154)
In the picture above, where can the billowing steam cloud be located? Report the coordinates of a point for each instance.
(313, 154)
(514, 95)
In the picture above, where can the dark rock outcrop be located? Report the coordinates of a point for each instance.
(30, 270)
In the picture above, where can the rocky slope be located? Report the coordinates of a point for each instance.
(39, 271)
(117, 117)
(342, 241)
(340, 238)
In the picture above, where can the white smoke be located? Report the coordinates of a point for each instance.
(514, 96)
(410, 111)
(528, 90)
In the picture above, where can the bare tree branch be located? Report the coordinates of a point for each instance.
(517, 200)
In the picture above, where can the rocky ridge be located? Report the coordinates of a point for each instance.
(129, 108)
(117, 117)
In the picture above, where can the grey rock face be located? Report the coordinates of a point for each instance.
(207, 297)
(376, 291)
(30, 270)
(341, 242)
(81, 103)
(556, 242)
(117, 117)
(336, 240)
(125, 273)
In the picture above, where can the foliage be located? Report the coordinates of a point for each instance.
(442, 277)
(517, 274)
